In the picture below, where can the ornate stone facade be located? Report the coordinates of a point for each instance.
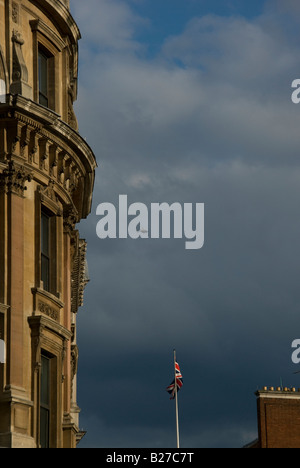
(47, 175)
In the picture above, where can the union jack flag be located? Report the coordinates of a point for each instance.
(179, 381)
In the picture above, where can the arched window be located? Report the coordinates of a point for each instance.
(2, 78)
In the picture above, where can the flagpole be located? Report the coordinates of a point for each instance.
(176, 401)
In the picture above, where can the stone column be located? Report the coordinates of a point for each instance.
(17, 408)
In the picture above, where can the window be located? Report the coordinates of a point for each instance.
(48, 76)
(43, 69)
(45, 402)
(45, 250)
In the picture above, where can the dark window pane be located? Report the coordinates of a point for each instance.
(44, 430)
(45, 381)
(43, 79)
(45, 402)
(45, 225)
(45, 251)
(45, 272)
(43, 100)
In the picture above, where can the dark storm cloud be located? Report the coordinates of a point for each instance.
(210, 119)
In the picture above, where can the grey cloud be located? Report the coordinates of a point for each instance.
(219, 128)
(110, 25)
(159, 114)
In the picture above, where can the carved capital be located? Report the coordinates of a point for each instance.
(70, 218)
(14, 178)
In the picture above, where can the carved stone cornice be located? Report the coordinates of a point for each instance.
(42, 328)
(51, 150)
(40, 323)
(13, 179)
(43, 28)
(59, 12)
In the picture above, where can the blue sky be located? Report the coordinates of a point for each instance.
(189, 101)
(169, 17)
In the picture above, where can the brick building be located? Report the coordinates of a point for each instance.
(278, 415)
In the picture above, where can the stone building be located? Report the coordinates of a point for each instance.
(46, 182)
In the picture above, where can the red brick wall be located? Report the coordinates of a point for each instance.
(279, 422)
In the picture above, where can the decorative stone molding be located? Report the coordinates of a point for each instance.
(44, 329)
(53, 151)
(66, 3)
(46, 304)
(79, 277)
(15, 13)
(63, 357)
(49, 198)
(45, 30)
(74, 360)
(20, 72)
(72, 119)
(4, 308)
(70, 218)
(14, 178)
(48, 191)
(42, 323)
(47, 310)
(61, 9)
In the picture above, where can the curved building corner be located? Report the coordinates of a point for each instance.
(47, 173)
